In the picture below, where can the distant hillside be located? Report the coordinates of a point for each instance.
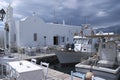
(115, 29)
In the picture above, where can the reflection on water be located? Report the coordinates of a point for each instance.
(66, 68)
(54, 64)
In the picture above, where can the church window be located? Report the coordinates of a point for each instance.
(63, 39)
(67, 39)
(14, 37)
(35, 36)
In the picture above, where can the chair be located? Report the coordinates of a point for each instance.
(33, 61)
(45, 67)
(15, 75)
(77, 74)
(8, 72)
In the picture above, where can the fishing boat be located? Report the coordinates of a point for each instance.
(106, 63)
(81, 47)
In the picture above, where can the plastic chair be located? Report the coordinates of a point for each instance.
(33, 61)
(15, 74)
(45, 67)
(8, 72)
(77, 74)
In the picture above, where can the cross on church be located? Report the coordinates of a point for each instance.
(34, 13)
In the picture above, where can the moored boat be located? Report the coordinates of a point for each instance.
(81, 47)
(106, 63)
(66, 57)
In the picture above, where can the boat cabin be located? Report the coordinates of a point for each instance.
(84, 44)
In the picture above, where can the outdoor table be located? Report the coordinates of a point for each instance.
(26, 70)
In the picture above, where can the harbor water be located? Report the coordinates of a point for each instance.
(65, 68)
(55, 64)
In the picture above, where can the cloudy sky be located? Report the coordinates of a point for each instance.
(98, 13)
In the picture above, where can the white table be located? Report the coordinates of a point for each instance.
(27, 70)
(5, 59)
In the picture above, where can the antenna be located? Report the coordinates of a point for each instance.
(34, 13)
(85, 19)
(54, 15)
(63, 22)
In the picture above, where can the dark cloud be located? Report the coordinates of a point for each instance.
(74, 12)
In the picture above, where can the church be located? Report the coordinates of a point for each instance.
(32, 31)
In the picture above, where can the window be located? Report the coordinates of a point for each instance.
(35, 36)
(63, 39)
(14, 37)
(103, 40)
(90, 41)
(67, 39)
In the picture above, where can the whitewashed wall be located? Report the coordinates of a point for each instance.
(33, 24)
(1, 38)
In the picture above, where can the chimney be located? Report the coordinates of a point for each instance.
(63, 22)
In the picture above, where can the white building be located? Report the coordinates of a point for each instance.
(32, 32)
(1, 38)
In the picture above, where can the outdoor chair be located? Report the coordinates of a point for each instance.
(45, 67)
(77, 74)
(34, 61)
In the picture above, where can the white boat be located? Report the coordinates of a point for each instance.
(66, 57)
(80, 48)
(84, 44)
(106, 63)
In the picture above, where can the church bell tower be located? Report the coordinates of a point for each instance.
(9, 28)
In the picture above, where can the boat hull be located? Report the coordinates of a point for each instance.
(66, 57)
(104, 72)
(101, 72)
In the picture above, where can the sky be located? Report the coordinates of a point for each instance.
(97, 13)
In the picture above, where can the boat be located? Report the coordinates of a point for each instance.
(106, 63)
(68, 57)
(81, 47)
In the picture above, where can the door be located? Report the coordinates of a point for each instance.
(55, 40)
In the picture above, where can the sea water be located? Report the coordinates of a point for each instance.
(55, 64)
(65, 68)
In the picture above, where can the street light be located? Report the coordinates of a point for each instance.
(44, 40)
(2, 14)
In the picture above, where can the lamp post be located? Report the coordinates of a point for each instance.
(44, 40)
(2, 14)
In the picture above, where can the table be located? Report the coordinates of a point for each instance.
(6, 58)
(27, 70)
